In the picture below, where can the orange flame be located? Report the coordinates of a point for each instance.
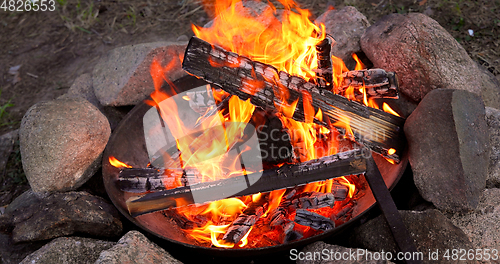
(118, 164)
(389, 110)
(288, 44)
(352, 187)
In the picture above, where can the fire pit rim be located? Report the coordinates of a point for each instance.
(109, 185)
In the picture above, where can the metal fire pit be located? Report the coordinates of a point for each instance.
(128, 144)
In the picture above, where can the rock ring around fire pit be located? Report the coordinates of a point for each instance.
(128, 144)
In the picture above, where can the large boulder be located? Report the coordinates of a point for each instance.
(134, 247)
(68, 250)
(448, 148)
(346, 26)
(61, 144)
(493, 121)
(60, 214)
(430, 230)
(123, 77)
(483, 225)
(425, 57)
(83, 87)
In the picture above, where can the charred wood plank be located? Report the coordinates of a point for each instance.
(265, 87)
(377, 83)
(139, 180)
(341, 164)
(313, 220)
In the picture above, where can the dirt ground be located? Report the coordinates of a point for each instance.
(53, 48)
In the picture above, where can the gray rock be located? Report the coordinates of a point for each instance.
(12, 182)
(6, 145)
(346, 26)
(123, 77)
(448, 148)
(493, 121)
(68, 250)
(134, 247)
(22, 201)
(334, 254)
(483, 225)
(13, 253)
(61, 142)
(430, 230)
(61, 214)
(82, 87)
(425, 57)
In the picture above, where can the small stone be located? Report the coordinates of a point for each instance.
(77, 250)
(134, 247)
(61, 214)
(12, 183)
(61, 144)
(430, 230)
(6, 146)
(493, 121)
(448, 148)
(425, 57)
(346, 26)
(123, 76)
(314, 254)
(483, 225)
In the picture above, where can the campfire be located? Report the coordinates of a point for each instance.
(270, 151)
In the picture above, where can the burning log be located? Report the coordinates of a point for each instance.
(139, 180)
(342, 164)
(245, 221)
(324, 73)
(377, 83)
(313, 220)
(264, 85)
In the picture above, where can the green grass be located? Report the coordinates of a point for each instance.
(3, 112)
(78, 15)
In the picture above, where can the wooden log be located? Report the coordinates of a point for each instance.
(324, 73)
(341, 164)
(377, 83)
(239, 227)
(269, 89)
(313, 220)
(140, 180)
